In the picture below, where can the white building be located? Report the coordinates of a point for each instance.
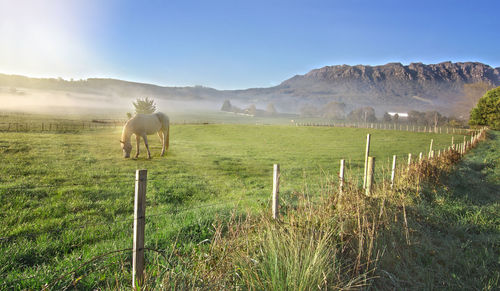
(400, 114)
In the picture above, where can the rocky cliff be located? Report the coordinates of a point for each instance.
(393, 84)
(390, 87)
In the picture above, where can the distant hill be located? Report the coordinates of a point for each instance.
(390, 87)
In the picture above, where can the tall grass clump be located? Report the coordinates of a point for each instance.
(328, 240)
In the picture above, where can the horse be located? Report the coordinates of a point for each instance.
(141, 125)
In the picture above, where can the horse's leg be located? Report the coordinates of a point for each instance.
(145, 138)
(160, 135)
(138, 140)
(162, 140)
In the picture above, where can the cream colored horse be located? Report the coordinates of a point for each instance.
(141, 125)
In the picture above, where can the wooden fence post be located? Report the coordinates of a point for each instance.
(393, 170)
(139, 225)
(367, 152)
(341, 177)
(420, 157)
(409, 161)
(430, 148)
(276, 190)
(369, 176)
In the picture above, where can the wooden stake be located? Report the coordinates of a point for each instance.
(276, 190)
(393, 170)
(367, 152)
(430, 148)
(409, 161)
(341, 177)
(369, 177)
(420, 157)
(139, 226)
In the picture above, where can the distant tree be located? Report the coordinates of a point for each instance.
(417, 117)
(309, 111)
(395, 118)
(226, 106)
(387, 117)
(270, 109)
(471, 94)
(364, 114)
(144, 106)
(454, 122)
(252, 110)
(129, 115)
(333, 110)
(433, 118)
(487, 110)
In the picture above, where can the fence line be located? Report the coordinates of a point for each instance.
(68, 126)
(389, 126)
(140, 203)
(54, 126)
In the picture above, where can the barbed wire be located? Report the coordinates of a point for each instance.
(67, 273)
(110, 223)
(176, 211)
(97, 184)
(20, 279)
(87, 263)
(59, 230)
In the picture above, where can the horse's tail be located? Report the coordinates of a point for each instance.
(168, 135)
(165, 125)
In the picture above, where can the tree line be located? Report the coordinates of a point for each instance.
(337, 111)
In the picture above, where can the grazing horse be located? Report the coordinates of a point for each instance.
(141, 125)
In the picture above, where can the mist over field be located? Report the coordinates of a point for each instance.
(64, 102)
(449, 88)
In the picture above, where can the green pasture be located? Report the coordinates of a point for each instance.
(66, 198)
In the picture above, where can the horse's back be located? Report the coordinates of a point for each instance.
(146, 123)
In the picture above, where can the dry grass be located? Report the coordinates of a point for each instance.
(331, 242)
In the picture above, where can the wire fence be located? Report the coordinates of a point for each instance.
(390, 126)
(173, 212)
(74, 126)
(52, 282)
(71, 126)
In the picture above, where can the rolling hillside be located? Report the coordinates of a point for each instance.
(387, 87)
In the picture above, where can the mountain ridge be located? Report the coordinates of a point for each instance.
(392, 86)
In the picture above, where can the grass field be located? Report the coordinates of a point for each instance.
(68, 197)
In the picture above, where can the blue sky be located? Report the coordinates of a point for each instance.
(237, 44)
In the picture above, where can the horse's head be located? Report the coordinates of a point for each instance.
(127, 148)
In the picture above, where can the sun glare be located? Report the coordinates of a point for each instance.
(43, 38)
